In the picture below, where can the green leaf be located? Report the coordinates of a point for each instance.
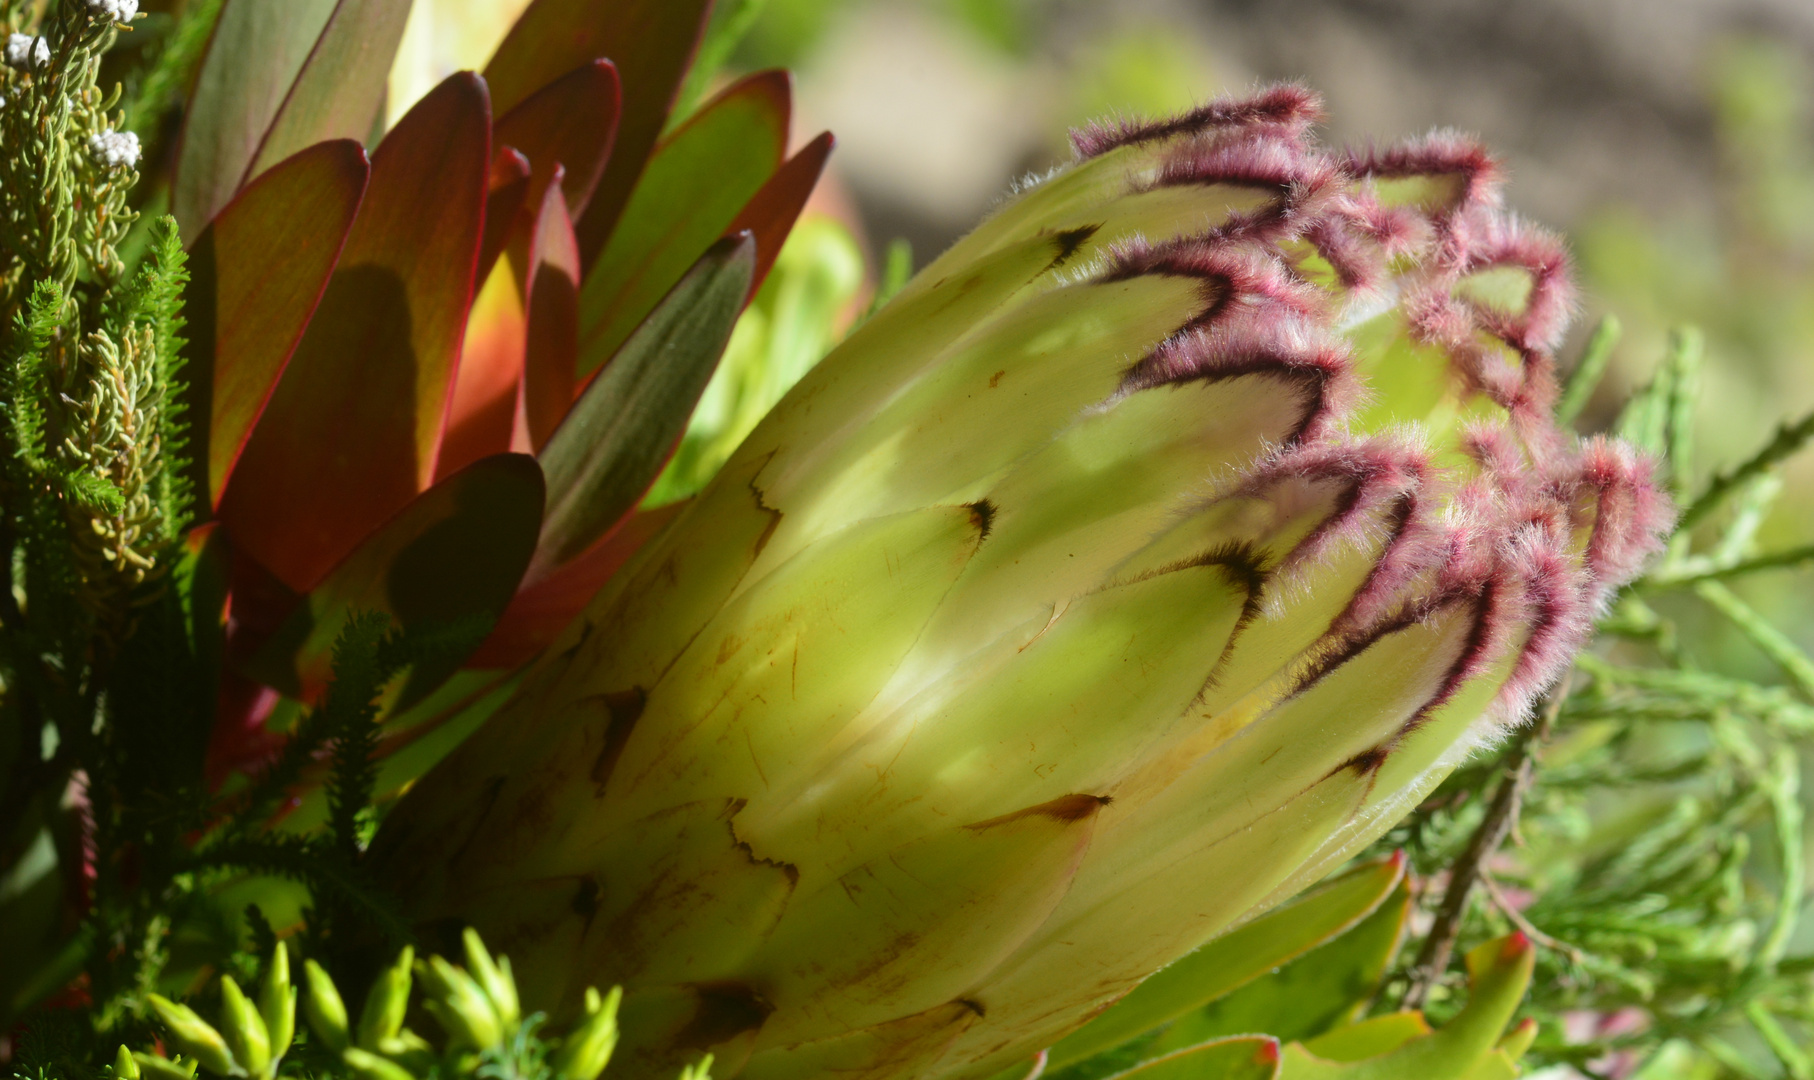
(1370, 1037)
(623, 427)
(257, 51)
(352, 432)
(771, 212)
(1246, 1057)
(697, 183)
(1313, 993)
(1236, 958)
(246, 310)
(340, 89)
(651, 42)
(443, 569)
(1466, 1048)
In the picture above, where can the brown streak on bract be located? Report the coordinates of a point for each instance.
(1068, 243)
(1065, 809)
(725, 1011)
(982, 515)
(623, 709)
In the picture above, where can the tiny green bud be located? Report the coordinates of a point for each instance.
(495, 978)
(370, 1066)
(124, 1067)
(411, 1051)
(385, 1004)
(586, 1051)
(194, 1036)
(458, 1004)
(152, 1067)
(277, 1003)
(701, 1071)
(244, 1028)
(322, 1005)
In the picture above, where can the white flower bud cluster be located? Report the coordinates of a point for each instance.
(121, 11)
(114, 149)
(25, 52)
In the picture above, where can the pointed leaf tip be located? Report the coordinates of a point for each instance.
(772, 211)
(624, 426)
(697, 182)
(652, 42)
(569, 124)
(355, 425)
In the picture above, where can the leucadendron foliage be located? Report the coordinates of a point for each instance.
(315, 463)
(1158, 547)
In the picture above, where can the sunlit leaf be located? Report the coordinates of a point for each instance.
(623, 427)
(352, 431)
(247, 311)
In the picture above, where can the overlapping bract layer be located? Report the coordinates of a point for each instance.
(1154, 550)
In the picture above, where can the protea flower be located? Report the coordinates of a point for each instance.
(1157, 548)
(398, 359)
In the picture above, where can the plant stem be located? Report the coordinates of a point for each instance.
(1501, 818)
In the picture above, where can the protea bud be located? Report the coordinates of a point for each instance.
(1152, 552)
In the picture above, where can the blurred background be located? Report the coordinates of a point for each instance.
(1671, 141)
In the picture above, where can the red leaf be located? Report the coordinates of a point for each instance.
(571, 124)
(352, 432)
(483, 414)
(771, 214)
(246, 310)
(503, 205)
(516, 372)
(543, 609)
(444, 568)
(651, 41)
(553, 337)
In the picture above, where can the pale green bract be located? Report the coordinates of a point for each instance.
(1151, 553)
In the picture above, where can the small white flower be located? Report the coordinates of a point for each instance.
(114, 149)
(24, 51)
(123, 11)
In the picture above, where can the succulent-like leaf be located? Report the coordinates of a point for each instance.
(257, 50)
(246, 310)
(771, 212)
(652, 43)
(1468, 1047)
(353, 430)
(569, 124)
(1243, 1057)
(1316, 992)
(1235, 959)
(613, 442)
(444, 568)
(340, 88)
(697, 182)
